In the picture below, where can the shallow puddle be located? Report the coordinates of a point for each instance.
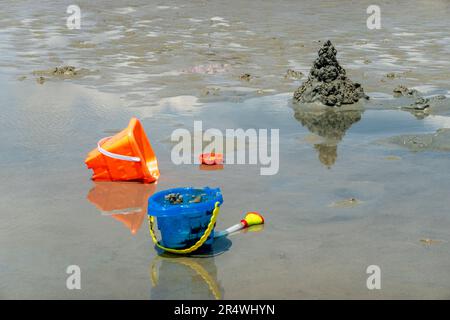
(169, 72)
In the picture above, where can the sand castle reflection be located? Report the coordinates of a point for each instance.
(329, 124)
(123, 201)
(327, 153)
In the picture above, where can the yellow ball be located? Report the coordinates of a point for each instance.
(252, 218)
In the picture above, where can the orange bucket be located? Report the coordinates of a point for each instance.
(127, 156)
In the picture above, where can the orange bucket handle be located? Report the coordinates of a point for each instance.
(114, 155)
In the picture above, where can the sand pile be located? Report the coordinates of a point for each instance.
(420, 103)
(327, 82)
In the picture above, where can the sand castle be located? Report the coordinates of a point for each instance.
(327, 82)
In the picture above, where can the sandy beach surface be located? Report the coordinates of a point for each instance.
(348, 194)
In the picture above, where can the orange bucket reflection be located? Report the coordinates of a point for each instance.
(124, 201)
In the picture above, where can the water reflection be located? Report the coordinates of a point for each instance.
(184, 278)
(213, 167)
(188, 277)
(418, 114)
(123, 201)
(331, 125)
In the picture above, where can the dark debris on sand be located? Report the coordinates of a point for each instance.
(174, 198)
(419, 103)
(65, 71)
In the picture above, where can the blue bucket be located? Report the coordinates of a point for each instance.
(184, 222)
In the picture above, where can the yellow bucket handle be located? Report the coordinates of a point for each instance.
(200, 241)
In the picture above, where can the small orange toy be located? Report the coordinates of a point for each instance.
(127, 156)
(211, 158)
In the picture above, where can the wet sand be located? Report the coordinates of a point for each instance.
(172, 64)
